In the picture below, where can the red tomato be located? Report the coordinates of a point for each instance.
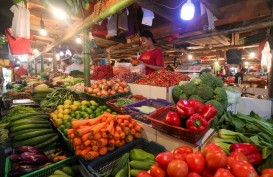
(196, 162)
(210, 148)
(181, 152)
(193, 174)
(267, 175)
(156, 171)
(163, 159)
(238, 155)
(241, 168)
(143, 173)
(216, 159)
(208, 172)
(222, 172)
(268, 171)
(177, 168)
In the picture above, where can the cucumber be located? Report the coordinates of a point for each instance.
(13, 134)
(27, 115)
(33, 141)
(59, 172)
(33, 134)
(123, 172)
(68, 170)
(47, 143)
(141, 165)
(134, 172)
(29, 126)
(28, 121)
(120, 164)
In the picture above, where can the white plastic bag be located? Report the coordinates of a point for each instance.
(266, 57)
(140, 69)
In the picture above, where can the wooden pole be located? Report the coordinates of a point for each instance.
(54, 61)
(86, 58)
(35, 66)
(42, 63)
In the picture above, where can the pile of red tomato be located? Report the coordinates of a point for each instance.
(212, 162)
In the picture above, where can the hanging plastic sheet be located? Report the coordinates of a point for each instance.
(100, 28)
(123, 20)
(266, 57)
(148, 17)
(112, 26)
(18, 46)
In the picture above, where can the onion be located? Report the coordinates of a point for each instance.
(103, 80)
(99, 93)
(115, 87)
(110, 83)
(120, 91)
(123, 84)
(120, 88)
(126, 90)
(89, 90)
(96, 90)
(85, 89)
(105, 86)
(94, 86)
(113, 92)
(104, 93)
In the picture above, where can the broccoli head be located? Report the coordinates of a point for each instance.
(196, 80)
(196, 97)
(176, 92)
(218, 82)
(183, 96)
(220, 108)
(208, 79)
(221, 96)
(204, 91)
(189, 88)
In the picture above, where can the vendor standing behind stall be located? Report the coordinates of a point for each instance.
(152, 57)
(239, 76)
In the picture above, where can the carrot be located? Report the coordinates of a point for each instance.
(121, 143)
(110, 126)
(70, 131)
(119, 121)
(103, 119)
(96, 120)
(117, 143)
(126, 130)
(111, 148)
(99, 126)
(129, 138)
(91, 155)
(91, 137)
(76, 147)
(120, 116)
(59, 158)
(118, 129)
(122, 135)
(82, 146)
(116, 136)
(87, 142)
(78, 152)
(77, 141)
(137, 135)
(126, 123)
(72, 136)
(85, 151)
(77, 123)
(103, 150)
(93, 142)
(111, 142)
(85, 136)
(138, 128)
(104, 135)
(132, 121)
(97, 136)
(133, 131)
(130, 125)
(95, 148)
(122, 125)
(102, 142)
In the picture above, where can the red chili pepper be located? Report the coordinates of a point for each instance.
(209, 111)
(197, 105)
(254, 158)
(197, 123)
(184, 108)
(173, 118)
(245, 148)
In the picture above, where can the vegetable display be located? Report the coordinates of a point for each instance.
(128, 77)
(207, 89)
(102, 72)
(162, 78)
(94, 137)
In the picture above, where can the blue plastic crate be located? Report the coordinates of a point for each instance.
(140, 116)
(104, 164)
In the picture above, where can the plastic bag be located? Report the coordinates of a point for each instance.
(140, 69)
(266, 57)
(112, 26)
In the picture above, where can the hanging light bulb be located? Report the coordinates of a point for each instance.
(78, 40)
(43, 32)
(68, 53)
(35, 51)
(187, 10)
(61, 53)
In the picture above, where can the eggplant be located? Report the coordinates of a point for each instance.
(33, 159)
(15, 158)
(29, 149)
(22, 170)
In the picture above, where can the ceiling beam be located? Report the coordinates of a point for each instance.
(224, 48)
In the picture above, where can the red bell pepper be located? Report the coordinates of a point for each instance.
(209, 111)
(254, 158)
(197, 123)
(173, 118)
(184, 108)
(197, 105)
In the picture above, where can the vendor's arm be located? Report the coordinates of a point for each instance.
(153, 66)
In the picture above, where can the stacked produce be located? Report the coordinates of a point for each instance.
(40, 92)
(94, 137)
(213, 161)
(79, 87)
(104, 88)
(65, 81)
(128, 77)
(77, 74)
(240, 128)
(26, 160)
(57, 97)
(32, 129)
(12, 94)
(207, 89)
(69, 111)
(163, 78)
(102, 72)
(67, 171)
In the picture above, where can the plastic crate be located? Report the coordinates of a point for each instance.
(104, 164)
(121, 109)
(158, 123)
(43, 172)
(101, 100)
(140, 116)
